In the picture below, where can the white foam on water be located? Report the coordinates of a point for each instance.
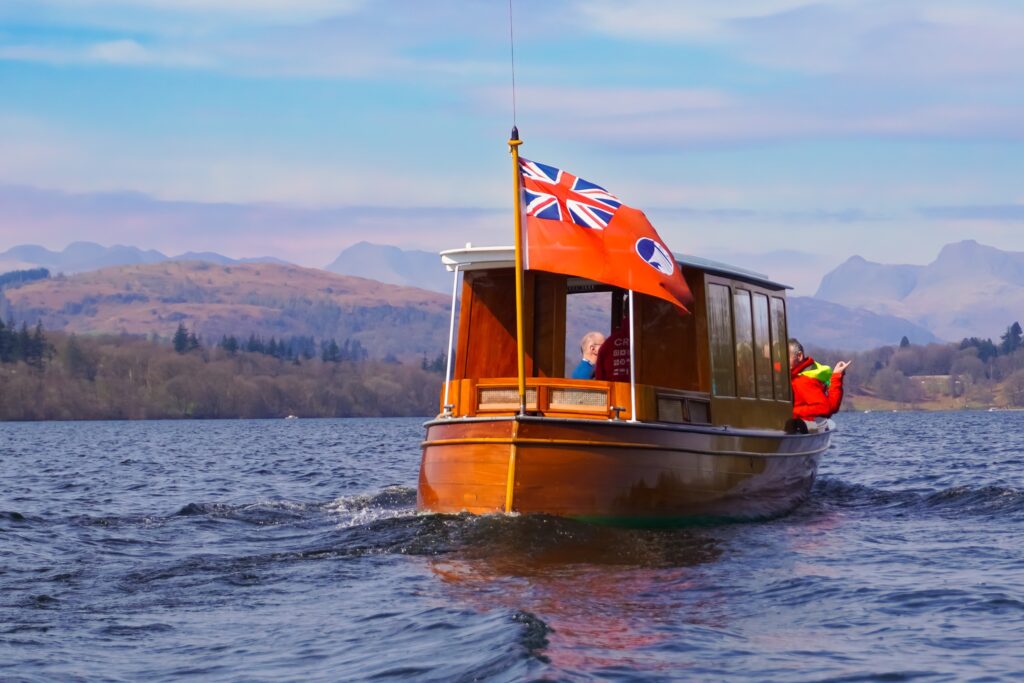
(366, 508)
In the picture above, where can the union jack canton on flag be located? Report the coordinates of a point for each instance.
(553, 194)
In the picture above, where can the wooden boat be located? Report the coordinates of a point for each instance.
(707, 433)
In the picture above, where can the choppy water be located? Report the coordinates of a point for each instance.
(289, 550)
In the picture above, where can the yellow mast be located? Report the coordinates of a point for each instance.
(513, 145)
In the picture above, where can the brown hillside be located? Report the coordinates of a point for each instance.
(265, 299)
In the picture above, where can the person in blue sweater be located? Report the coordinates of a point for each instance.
(589, 346)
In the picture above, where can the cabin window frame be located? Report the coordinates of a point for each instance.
(775, 385)
(780, 345)
(743, 340)
(764, 376)
(721, 346)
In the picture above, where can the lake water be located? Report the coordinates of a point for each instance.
(290, 550)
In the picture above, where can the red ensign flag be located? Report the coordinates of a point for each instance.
(578, 228)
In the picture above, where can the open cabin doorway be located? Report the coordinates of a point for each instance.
(587, 309)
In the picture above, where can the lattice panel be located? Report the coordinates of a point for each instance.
(584, 398)
(503, 396)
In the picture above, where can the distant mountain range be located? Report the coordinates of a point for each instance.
(969, 290)
(388, 264)
(833, 326)
(80, 257)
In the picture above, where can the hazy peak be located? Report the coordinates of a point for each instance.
(969, 289)
(393, 265)
(83, 256)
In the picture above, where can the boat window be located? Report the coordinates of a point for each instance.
(762, 347)
(723, 379)
(584, 312)
(780, 356)
(744, 344)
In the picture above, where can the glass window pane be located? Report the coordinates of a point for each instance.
(744, 344)
(780, 355)
(723, 382)
(762, 347)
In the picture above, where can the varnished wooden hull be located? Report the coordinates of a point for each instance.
(616, 472)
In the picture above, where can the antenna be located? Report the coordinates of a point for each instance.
(512, 49)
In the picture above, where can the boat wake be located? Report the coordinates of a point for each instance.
(391, 502)
(958, 500)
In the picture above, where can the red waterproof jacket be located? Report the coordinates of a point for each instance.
(811, 397)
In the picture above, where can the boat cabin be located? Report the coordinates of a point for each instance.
(724, 363)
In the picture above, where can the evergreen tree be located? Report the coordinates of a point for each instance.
(987, 350)
(5, 343)
(193, 341)
(438, 364)
(229, 344)
(352, 350)
(307, 347)
(1011, 341)
(180, 339)
(37, 347)
(904, 343)
(23, 343)
(254, 345)
(331, 352)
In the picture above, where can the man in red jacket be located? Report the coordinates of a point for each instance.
(613, 356)
(817, 388)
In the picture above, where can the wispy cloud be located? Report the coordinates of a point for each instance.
(911, 38)
(306, 38)
(645, 19)
(666, 118)
(121, 52)
(206, 10)
(999, 212)
(49, 154)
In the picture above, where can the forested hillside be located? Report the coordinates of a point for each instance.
(974, 373)
(125, 377)
(267, 300)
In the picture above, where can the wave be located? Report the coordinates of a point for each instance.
(261, 513)
(970, 500)
(388, 503)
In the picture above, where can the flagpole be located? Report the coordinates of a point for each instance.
(513, 145)
(447, 408)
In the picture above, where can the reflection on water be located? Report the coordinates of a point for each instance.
(604, 596)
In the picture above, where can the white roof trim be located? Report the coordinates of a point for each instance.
(475, 258)
(478, 258)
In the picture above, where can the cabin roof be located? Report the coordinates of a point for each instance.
(478, 258)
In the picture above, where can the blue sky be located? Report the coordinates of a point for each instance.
(295, 128)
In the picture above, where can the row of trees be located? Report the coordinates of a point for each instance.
(22, 345)
(129, 377)
(295, 348)
(975, 371)
(18, 277)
